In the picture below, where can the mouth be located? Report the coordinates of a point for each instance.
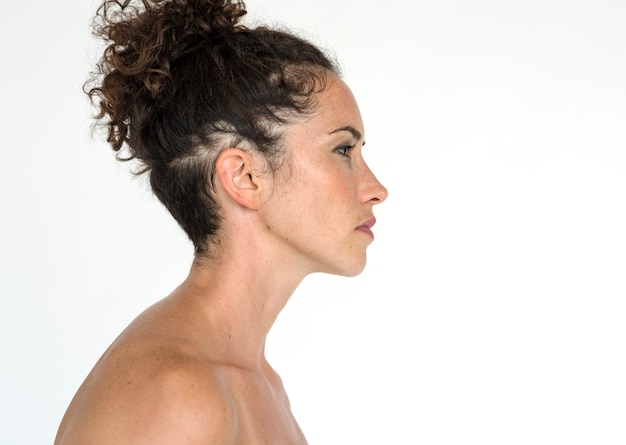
(366, 227)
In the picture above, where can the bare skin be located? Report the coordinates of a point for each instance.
(191, 370)
(162, 376)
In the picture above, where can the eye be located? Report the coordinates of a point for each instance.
(344, 150)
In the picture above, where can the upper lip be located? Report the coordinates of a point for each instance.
(369, 223)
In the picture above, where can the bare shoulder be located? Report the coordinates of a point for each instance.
(156, 395)
(185, 402)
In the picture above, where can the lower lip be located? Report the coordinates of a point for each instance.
(366, 230)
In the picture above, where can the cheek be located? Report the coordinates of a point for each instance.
(330, 203)
(328, 185)
(319, 190)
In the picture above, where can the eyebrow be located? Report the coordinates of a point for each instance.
(356, 133)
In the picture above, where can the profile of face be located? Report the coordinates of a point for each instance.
(321, 206)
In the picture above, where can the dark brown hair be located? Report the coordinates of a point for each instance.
(182, 79)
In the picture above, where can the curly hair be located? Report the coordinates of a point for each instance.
(180, 80)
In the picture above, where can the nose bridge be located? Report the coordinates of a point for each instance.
(371, 190)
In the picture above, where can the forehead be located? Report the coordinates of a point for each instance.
(337, 107)
(335, 119)
(334, 108)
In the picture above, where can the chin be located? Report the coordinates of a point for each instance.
(350, 270)
(353, 273)
(347, 265)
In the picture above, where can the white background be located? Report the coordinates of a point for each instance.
(493, 307)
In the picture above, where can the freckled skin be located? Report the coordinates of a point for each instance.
(191, 369)
(326, 195)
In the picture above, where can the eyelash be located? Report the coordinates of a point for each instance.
(345, 150)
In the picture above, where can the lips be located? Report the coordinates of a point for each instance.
(366, 227)
(369, 223)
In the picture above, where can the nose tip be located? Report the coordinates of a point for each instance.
(371, 189)
(380, 192)
(383, 193)
(375, 192)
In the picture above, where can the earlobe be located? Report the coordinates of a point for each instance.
(235, 171)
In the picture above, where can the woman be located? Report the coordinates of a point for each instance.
(253, 143)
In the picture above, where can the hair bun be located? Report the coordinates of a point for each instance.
(147, 36)
(206, 16)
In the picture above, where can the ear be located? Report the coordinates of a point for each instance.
(240, 175)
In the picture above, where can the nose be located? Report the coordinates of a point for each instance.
(372, 191)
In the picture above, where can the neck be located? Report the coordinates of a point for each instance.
(236, 299)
